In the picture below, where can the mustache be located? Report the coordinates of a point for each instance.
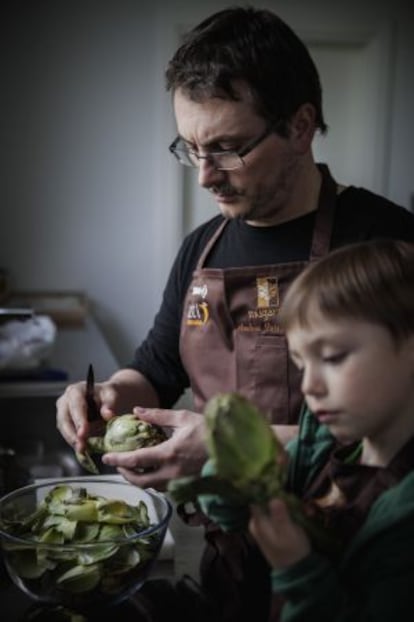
(224, 190)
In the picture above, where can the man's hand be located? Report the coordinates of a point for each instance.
(183, 453)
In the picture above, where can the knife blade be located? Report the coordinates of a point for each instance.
(93, 413)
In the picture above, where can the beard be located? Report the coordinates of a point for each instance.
(269, 200)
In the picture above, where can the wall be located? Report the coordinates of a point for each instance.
(78, 130)
(90, 196)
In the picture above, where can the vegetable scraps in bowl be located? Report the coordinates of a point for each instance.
(75, 543)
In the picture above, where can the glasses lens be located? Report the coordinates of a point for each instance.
(227, 160)
(183, 155)
(186, 157)
(221, 160)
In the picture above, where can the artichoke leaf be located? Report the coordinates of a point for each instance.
(61, 524)
(97, 553)
(28, 566)
(84, 510)
(20, 524)
(51, 536)
(141, 514)
(85, 460)
(96, 444)
(126, 559)
(115, 512)
(59, 495)
(111, 532)
(187, 489)
(86, 532)
(80, 578)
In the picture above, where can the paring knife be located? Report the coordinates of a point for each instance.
(93, 411)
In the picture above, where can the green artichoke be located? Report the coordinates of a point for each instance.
(247, 464)
(244, 455)
(242, 446)
(122, 433)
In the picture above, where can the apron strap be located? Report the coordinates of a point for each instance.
(211, 243)
(322, 231)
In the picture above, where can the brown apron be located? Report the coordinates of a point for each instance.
(230, 337)
(231, 341)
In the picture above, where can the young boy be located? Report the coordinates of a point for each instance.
(349, 320)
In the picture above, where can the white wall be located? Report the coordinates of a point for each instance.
(78, 129)
(90, 197)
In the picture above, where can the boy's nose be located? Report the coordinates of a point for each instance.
(312, 382)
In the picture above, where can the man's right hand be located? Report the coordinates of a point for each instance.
(117, 396)
(71, 412)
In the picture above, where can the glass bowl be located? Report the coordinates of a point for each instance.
(82, 543)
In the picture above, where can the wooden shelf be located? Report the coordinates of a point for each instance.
(66, 308)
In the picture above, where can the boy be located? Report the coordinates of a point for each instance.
(349, 320)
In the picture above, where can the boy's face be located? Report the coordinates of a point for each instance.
(356, 380)
(258, 191)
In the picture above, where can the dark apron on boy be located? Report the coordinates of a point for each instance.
(231, 341)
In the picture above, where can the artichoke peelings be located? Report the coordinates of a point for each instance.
(69, 517)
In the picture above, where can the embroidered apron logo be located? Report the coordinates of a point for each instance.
(200, 290)
(197, 314)
(267, 292)
(263, 318)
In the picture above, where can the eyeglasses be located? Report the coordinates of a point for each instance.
(226, 160)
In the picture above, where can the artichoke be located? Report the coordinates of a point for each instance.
(242, 446)
(245, 457)
(122, 433)
(247, 464)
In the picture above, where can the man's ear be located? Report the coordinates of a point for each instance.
(303, 127)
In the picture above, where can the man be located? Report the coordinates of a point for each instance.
(247, 101)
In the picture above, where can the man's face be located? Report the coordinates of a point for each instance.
(260, 190)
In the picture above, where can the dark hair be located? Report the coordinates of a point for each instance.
(370, 281)
(257, 47)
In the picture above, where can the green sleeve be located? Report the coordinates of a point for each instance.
(374, 583)
(311, 590)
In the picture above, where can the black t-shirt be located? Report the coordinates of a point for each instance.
(359, 215)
